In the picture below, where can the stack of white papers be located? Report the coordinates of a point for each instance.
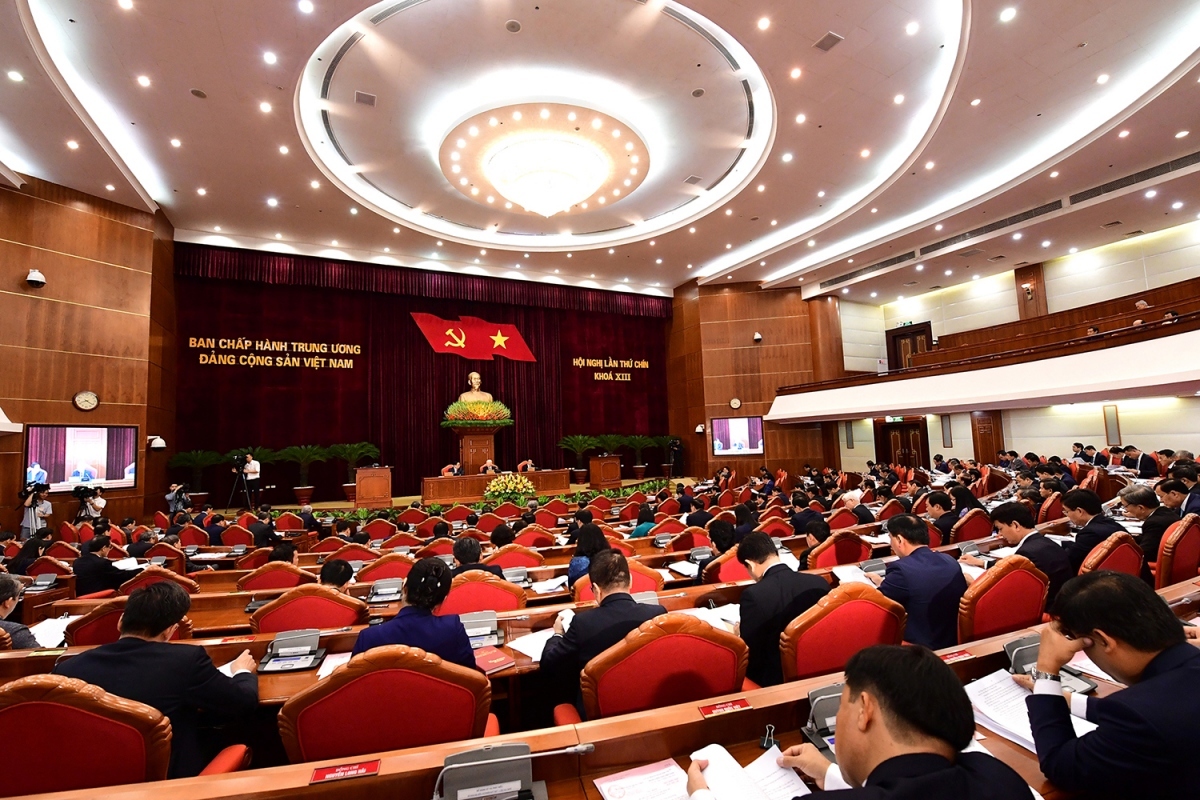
(666, 574)
(662, 780)
(789, 558)
(532, 644)
(208, 556)
(880, 539)
(128, 564)
(1002, 552)
(1059, 539)
(761, 780)
(685, 568)
(972, 572)
(999, 704)
(49, 632)
(332, 661)
(1085, 665)
(551, 585)
(851, 573)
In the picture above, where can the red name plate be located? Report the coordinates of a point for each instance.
(231, 639)
(957, 655)
(716, 709)
(361, 769)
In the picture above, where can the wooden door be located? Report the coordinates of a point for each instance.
(903, 443)
(906, 341)
(987, 434)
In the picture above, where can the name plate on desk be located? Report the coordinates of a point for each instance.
(716, 709)
(957, 655)
(361, 769)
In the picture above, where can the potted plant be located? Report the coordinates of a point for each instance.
(663, 443)
(350, 455)
(638, 444)
(578, 444)
(196, 461)
(305, 456)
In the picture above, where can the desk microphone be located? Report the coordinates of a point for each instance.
(573, 750)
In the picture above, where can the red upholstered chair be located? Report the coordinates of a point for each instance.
(379, 529)
(487, 523)
(437, 701)
(890, 509)
(68, 533)
(308, 606)
(287, 521)
(62, 550)
(673, 658)
(604, 504)
(642, 579)
(438, 547)
(254, 559)
(725, 515)
(850, 618)
(99, 626)
(235, 535)
(116, 552)
(515, 555)
(842, 518)
(477, 535)
(660, 517)
(247, 519)
(921, 504)
(425, 527)
(557, 506)
(726, 499)
(670, 525)
(843, 547)
(935, 534)
(191, 535)
(815, 506)
(636, 498)
(776, 527)
(772, 511)
(978, 488)
(619, 544)
(161, 520)
(10, 548)
(534, 538)
(476, 590)
(403, 539)
(456, 513)
(154, 574)
(175, 559)
(1052, 508)
(330, 544)
(668, 506)
(275, 575)
(1119, 553)
(1092, 479)
(1178, 553)
(597, 512)
(392, 565)
(136, 738)
(693, 536)
(508, 510)
(415, 516)
(725, 568)
(86, 532)
(744, 495)
(547, 519)
(48, 565)
(1009, 596)
(628, 512)
(975, 524)
(868, 496)
(353, 552)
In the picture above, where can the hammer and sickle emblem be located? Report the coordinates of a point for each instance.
(456, 341)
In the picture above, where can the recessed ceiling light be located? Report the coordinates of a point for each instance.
(728, 246)
(774, 222)
(974, 277)
(652, 243)
(110, 187)
(474, 190)
(1177, 205)
(283, 149)
(846, 291)
(764, 23)
(920, 267)
(264, 107)
(463, 181)
(1045, 243)
(143, 81)
(795, 72)
(279, 236)
(72, 144)
(949, 272)
(217, 228)
(306, 6)
(508, 205)
(900, 297)
(461, 143)
(865, 153)
(849, 260)
(269, 57)
(317, 185)
(800, 119)
(728, 277)
(353, 210)
(1181, 134)
(1017, 236)
(912, 28)
(762, 263)
(1102, 78)
(13, 75)
(525, 256)
(1151, 194)
(569, 255)
(762, 187)
(976, 101)
(691, 230)
(596, 123)
(202, 191)
(874, 210)
(689, 266)
(874, 294)
(439, 244)
(1008, 14)
(176, 143)
(898, 99)
(728, 212)
(821, 193)
(125, 4)
(387, 249)
(928, 165)
(555, 272)
(335, 244)
(1054, 174)
(1073, 250)
(395, 230)
(786, 157)
(938, 227)
(812, 242)
(1122, 134)
(271, 201)
(658, 261)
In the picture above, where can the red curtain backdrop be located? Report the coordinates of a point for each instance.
(396, 392)
(122, 450)
(48, 448)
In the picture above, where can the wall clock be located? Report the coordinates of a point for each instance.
(85, 400)
(735, 403)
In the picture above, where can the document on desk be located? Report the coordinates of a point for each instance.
(532, 644)
(972, 572)
(709, 615)
(999, 705)
(207, 556)
(662, 780)
(49, 632)
(127, 564)
(761, 780)
(332, 661)
(878, 540)
(1002, 552)
(685, 568)
(789, 558)
(851, 573)
(551, 585)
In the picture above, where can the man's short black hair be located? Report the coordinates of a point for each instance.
(1120, 605)
(502, 535)
(939, 499)
(722, 534)
(1172, 485)
(467, 550)
(125, 523)
(10, 587)
(342, 525)
(1010, 513)
(609, 570)
(154, 608)
(472, 519)
(283, 552)
(916, 691)
(1184, 472)
(215, 518)
(910, 528)
(337, 572)
(1083, 500)
(583, 516)
(756, 547)
(98, 543)
(441, 530)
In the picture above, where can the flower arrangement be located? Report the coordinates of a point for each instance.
(477, 414)
(512, 487)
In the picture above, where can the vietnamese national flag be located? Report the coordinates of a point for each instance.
(473, 338)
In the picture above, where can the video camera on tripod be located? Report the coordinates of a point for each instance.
(32, 488)
(83, 492)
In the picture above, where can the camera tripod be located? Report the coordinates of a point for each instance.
(240, 479)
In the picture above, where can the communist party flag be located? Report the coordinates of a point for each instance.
(473, 338)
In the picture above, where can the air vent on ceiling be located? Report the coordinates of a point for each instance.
(1112, 224)
(337, 59)
(689, 22)
(1020, 263)
(994, 259)
(974, 251)
(694, 180)
(1134, 233)
(858, 273)
(828, 41)
(1137, 177)
(911, 283)
(999, 224)
(364, 99)
(935, 287)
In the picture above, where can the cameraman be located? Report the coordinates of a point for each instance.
(177, 499)
(91, 503)
(36, 509)
(251, 471)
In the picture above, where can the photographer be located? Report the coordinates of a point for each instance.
(251, 470)
(91, 503)
(35, 508)
(177, 499)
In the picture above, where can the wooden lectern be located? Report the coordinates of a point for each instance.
(475, 446)
(373, 487)
(605, 472)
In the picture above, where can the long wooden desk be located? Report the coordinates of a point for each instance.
(470, 488)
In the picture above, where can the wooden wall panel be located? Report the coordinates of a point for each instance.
(162, 363)
(1033, 304)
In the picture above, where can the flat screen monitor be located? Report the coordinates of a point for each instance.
(737, 436)
(66, 456)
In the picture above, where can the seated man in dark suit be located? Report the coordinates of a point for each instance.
(721, 534)
(264, 531)
(594, 631)
(467, 552)
(902, 725)
(336, 574)
(802, 515)
(1188, 474)
(215, 529)
(489, 468)
(1084, 510)
(1015, 524)
(178, 522)
(1148, 734)
(698, 516)
(927, 583)
(815, 532)
(939, 506)
(685, 500)
(778, 596)
(94, 572)
(864, 514)
(146, 540)
(180, 681)
(441, 530)
(309, 519)
(285, 552)
(1142, 463)
(1141, 503)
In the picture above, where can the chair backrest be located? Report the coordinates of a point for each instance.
(726, 499)
(636, 498)
(935, 534)
(425, 527)
(628, 512)
(86, 531)
(287, 521)
(508, 510)
(619, 544)
(392, 565)
(488, 522)
(477, 590)
(154, 574)
(247, 519)
(726, 516)
(1052, 508)
(403, 539)
(843, 547)
(851, 617)
(161, 520)
(477, 535)
(515, 555)
(330, 544)
(547, 519)
(774, 510)
(605, 504)
(776, 527)
(669, 525)
(975, 524)
(379, 528)
(254, 559)
(68, 533)
(1119, 553)
(725, 568)
(193, 536)
(1179, 552)
(47, 565)
(669, 506)
(673, 658)
(11, 548)
(842, 518)
(415, 515)
(275, 575)
(890, 509)
(175, 559)
(693, 536)
(61, 550)
(353, 552)
(136, 738)
(308, 606)
(868, 496)
(534, 538)
(642, 579)
(557, 506)
(236, 534)
(355, 710)
(921, 504)
(456, 513)
(1009, 596)
(744, 495)
(438, 547)
(99, 626)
